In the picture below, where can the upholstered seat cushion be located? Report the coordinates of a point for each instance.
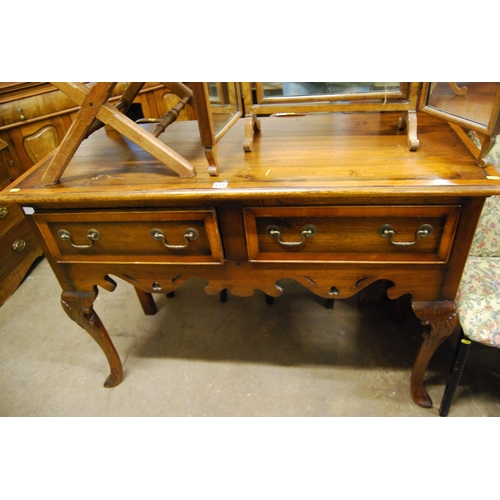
(478, 300)
(487, 237)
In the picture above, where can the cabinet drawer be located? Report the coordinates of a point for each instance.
(163, 236)
(17, 112)
(10, 215)
(357, 233)
(16, 244)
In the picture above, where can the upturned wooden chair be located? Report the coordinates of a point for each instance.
(478, 298)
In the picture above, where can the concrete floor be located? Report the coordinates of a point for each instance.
(200, 357)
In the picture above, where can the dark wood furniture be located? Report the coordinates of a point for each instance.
(19, 247)
(334, 201)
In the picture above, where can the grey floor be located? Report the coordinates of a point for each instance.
(200, 357)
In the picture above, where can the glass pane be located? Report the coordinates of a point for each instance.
(223, 102)
(470, 100)
(272, 89)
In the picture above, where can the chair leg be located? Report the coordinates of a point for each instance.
(223, 295)
(461, 354)
(147, 302)
(401, 306)
(269, 299)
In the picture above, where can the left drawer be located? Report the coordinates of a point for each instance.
(10, 215)
(153, 236)
(16, 244)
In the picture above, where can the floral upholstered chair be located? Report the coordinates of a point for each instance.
(478, 298)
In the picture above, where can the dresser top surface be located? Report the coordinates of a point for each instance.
(330, 154)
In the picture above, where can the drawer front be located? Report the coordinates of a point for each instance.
(163, 236)
(15, 245)
(420, 234)
(17, 112)
(10, 215)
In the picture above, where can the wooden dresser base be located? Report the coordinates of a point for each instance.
(335, 202)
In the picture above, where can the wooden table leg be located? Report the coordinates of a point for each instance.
(79, 307)
(441, 317)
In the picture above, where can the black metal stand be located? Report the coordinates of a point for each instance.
(461, 353)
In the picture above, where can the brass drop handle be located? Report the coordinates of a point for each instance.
(190, 234)
(308, 231)
(386, 231)
(3, 212)
(21, 114)
(92, 235)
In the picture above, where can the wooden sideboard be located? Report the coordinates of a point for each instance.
(335, 201)
(34, 118)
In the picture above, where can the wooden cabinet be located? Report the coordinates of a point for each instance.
(34, 118)
(19, 247)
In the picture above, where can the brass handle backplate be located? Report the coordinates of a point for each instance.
(92, 235)
(308, 231)
(18, 245)
(3, 212)
(386, 231)
(190, 234)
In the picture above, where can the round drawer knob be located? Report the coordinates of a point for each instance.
(19, 245)
(3, 212)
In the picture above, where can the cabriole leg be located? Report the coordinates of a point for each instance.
(441, 317)
(79, 307)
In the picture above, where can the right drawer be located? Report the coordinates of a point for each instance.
(415, 234)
